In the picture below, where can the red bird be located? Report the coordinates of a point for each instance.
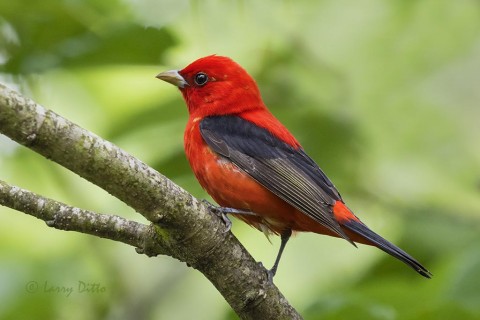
(254, 167)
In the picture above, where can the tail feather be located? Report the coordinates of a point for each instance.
(359, 228)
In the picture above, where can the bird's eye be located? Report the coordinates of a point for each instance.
(201, 78)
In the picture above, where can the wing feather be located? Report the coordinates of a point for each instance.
(287, 172)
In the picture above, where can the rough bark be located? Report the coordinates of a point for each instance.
(182, 226)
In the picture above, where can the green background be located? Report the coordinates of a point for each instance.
(384, 95)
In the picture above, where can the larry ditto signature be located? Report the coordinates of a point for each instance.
(81, 287)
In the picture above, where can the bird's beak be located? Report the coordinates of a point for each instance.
(173, 77)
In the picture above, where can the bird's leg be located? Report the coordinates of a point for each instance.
(284, 237)
(226, 210)
(222, 212)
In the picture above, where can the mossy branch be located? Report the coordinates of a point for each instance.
(184, 227)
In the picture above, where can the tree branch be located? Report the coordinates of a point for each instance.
(64, 217)
(184, 227)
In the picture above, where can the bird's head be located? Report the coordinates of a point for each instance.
(215, 85)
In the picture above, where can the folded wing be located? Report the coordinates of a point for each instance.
(286, 171)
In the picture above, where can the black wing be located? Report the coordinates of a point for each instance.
(288, 172)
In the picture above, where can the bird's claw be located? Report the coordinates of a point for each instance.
(223, 211)
(270, 272)
(219, 212)
(226, 220)
(270, 276)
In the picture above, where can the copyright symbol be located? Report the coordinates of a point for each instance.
(31, 287)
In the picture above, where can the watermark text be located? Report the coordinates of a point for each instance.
(81, 287)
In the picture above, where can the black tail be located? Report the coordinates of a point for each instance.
(391, 249)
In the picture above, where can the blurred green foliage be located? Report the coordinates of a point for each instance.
(383, 94)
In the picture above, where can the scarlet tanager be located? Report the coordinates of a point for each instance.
(254, 167)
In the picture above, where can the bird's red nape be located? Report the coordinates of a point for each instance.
(247, 160)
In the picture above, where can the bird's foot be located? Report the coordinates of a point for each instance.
(270, 272)
(219, 213)
(222, 212)
(270, 276)
(225, 219)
